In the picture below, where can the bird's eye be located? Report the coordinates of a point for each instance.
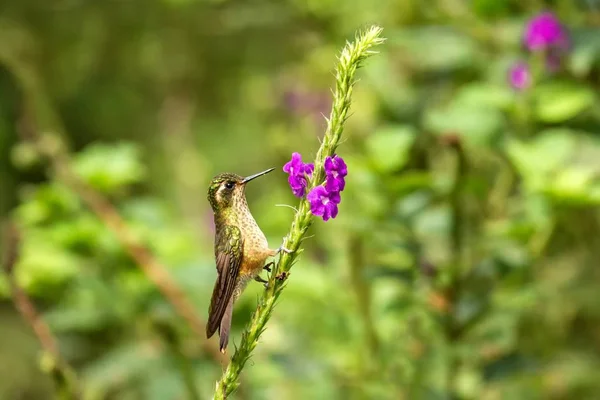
(229, 185)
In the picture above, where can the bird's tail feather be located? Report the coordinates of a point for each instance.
(225, 326)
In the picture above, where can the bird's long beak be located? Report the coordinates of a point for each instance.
(249, 178)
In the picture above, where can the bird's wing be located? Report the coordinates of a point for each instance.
(229, 246)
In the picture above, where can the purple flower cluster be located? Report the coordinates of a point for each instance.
(298, 174)
(323, 204)
(519, 76)
(545, 33)
(323, 199)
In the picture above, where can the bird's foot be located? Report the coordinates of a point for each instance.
(268, 266)
(282, 276)
(283, 249)
(258, 278)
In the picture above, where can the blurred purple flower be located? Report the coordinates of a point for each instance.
(323, 203)
(335, 170)
(519, 76)
(298, 171)
(545, 31)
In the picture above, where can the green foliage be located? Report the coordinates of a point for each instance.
(464, 260)
(561, 101)
(389, 147)
(109, 168)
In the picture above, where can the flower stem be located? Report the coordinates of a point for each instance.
(350, 60)
(453, 330)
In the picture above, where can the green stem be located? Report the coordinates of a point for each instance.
(186, 369)
(171, 338)
(457, 234)
(350, 60)
(458, 214)
(362, 291)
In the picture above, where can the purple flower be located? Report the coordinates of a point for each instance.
(323, 199)
(545, 31)
(335, 170)
(298, 185)
(323, 203)
(298, 171)
(519, 76)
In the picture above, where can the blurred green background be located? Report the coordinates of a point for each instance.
(464, 263)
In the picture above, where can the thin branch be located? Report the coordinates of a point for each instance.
(457, 236)
(362, 291)
(62, 374)
(351, 58)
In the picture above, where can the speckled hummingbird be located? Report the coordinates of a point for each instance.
(241, 249)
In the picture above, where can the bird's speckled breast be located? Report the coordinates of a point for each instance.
(256, 248)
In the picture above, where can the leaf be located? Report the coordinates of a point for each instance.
(42, 263)
(452, 49)
(508, 365)
(108, 168)
(586, 50)
(483, 94)
(575, 186)
(46, 202)
(405, 275)
(389, 148)
(75, 320)
(490, 8)
(558, 164)
(120, 365)
(538, 158)
(559, 101)
(4, 288)
(475, 123)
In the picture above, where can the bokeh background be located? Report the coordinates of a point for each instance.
(465, 260)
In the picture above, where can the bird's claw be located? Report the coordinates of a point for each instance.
(283, 249)
(268, 266)
(282, 276)
(261, 280)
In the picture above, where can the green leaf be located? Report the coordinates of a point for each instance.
(120, 365)
(586, 50)
(47, 202)
(109, 168)
(560, 101)
(507, 365)
(490, 8)
(575, 186)
(477, 124)
(538, 158)
(389, 148)
(4, 287)
(452, 48)
(44, 264)
(483, 94)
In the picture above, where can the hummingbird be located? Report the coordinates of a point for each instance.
(241, 249)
